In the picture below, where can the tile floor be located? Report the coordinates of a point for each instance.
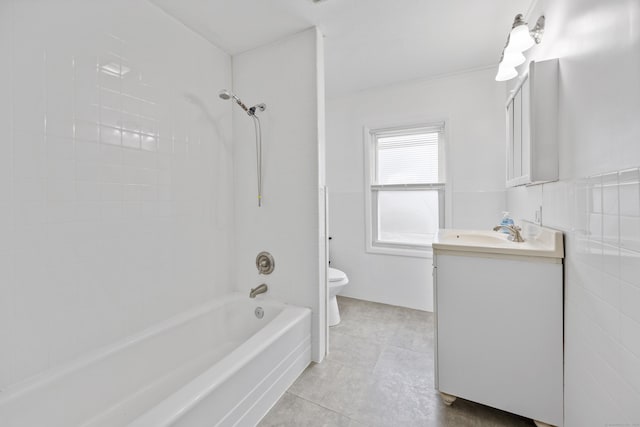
(379, 372)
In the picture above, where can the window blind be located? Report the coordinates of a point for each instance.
(410, 158)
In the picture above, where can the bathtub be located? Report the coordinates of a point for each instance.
(215, 365)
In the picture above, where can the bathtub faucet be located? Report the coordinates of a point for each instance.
(259, 290)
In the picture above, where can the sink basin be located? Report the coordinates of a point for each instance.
(476, 238)
(539, 242)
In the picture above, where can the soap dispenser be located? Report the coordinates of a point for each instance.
(506, 221)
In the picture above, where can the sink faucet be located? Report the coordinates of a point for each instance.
(514, 232)
(259, 290)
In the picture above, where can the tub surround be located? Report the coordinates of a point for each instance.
(290, 223)
(116, 188)
(117, 182)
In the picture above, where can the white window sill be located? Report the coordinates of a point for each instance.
(400, 251)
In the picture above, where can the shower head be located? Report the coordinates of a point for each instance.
(225, 94)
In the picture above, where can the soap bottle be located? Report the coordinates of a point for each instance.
(506, 221)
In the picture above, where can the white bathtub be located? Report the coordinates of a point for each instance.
(215, 365)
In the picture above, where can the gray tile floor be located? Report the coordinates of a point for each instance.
(379, 372)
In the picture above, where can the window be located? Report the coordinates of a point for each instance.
(405, 188)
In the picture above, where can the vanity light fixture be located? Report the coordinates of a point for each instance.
(506, 72)
(512, 58)
(520, 38)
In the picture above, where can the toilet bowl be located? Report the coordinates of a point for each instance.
(337, 281)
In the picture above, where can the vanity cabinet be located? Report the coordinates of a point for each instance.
(532, 117)
(499, 325)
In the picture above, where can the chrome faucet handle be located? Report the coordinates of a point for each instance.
(514, 232)
(516, 236)
(265, 263)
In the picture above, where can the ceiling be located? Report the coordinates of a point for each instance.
(368, 43)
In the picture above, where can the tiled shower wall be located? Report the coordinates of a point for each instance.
(115, 176)
(289, 224)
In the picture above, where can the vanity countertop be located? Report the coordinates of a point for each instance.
(539, 242)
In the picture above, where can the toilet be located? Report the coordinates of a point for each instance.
(337, 281)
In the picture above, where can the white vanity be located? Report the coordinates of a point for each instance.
(499, 320)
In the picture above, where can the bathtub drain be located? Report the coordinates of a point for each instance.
(259, 312)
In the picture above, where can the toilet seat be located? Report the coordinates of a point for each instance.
(336, 277)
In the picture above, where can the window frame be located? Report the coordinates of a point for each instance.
(372, 189)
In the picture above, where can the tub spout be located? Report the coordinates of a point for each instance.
(259, 290)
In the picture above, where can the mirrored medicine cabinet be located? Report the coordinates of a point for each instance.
(532, 123)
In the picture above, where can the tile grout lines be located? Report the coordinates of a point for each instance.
(322, 406)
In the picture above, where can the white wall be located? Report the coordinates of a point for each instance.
(598, 44)
(103, 233)
(472, 103)
(286, 76)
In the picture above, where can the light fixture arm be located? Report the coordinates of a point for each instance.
(538, 30)
(518, 20)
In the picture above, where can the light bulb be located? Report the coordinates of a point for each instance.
(520, 39)
(505, 72)
(512, 58)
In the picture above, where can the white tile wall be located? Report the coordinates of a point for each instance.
(115, 176)
(596, 202)
(602, 288)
